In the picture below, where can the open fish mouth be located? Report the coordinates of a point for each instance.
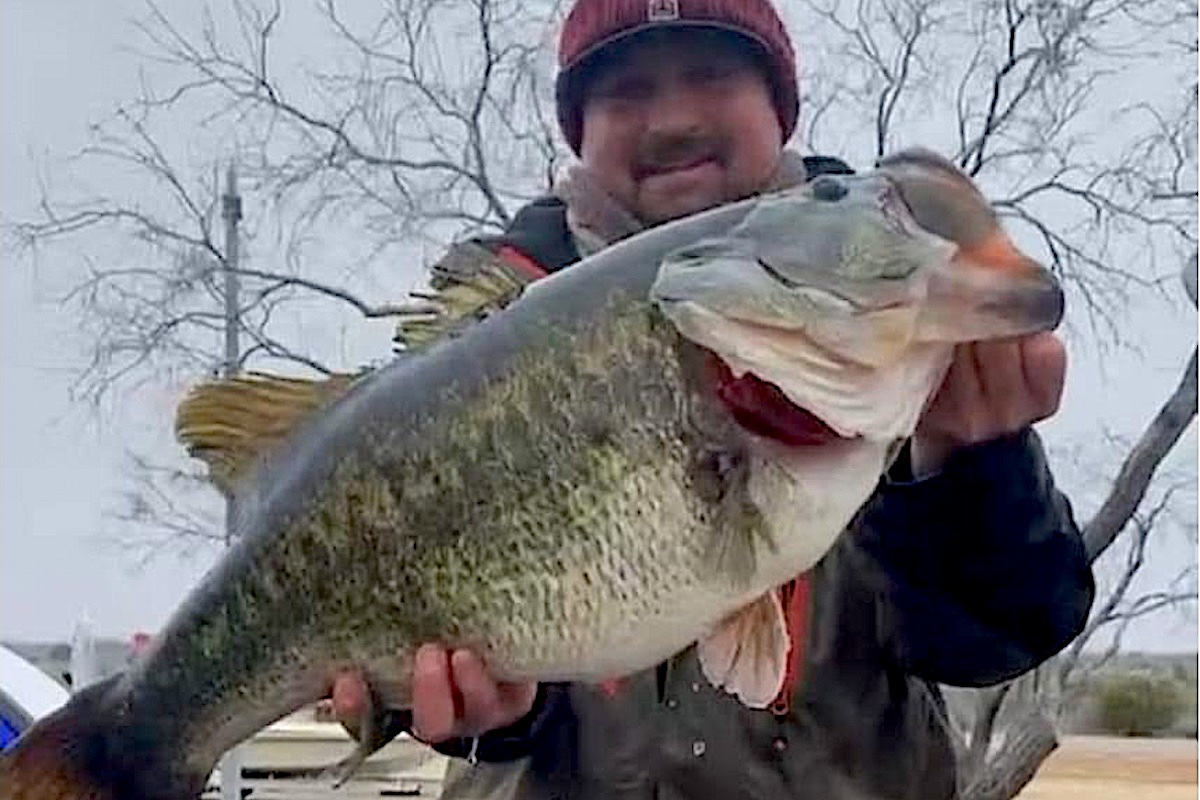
(791, 386)
(762, 408)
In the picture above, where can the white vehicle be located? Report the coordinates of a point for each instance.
(26, 695)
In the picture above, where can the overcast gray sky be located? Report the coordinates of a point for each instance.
(61, 66)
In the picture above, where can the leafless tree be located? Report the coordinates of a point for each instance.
(430, 119)
(437, 122)
(1103, 181)
(1016, 92)
(435, 125)
(999, 760)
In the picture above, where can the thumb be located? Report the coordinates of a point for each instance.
(349, 698)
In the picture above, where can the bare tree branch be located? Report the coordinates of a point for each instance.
(1139, 466)
(367, 310)
(1113, 607)
(1031, 740)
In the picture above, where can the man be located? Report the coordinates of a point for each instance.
(965, 568)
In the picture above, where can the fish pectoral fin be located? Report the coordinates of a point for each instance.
(230, 424)
(747, 654)
(377, 726)
(738, 528)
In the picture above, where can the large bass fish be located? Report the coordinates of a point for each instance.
(563, 486)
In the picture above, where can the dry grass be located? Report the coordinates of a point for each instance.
(1109, 768)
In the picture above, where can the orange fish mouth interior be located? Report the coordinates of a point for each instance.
(762, 408)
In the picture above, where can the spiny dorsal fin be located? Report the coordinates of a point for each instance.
(230, 424)
(469, 283)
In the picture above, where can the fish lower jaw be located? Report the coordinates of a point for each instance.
(763, 409)
(879, 405)
(758, 402)
(813, 388)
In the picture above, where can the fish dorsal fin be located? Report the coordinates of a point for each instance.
(747, 654)
(468, 284)
(231, 424)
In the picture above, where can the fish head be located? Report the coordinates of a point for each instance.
(849, 292)
(989, 289)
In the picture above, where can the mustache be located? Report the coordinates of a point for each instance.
(660, 152)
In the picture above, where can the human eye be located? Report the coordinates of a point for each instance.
(631, 88)
(622, 86)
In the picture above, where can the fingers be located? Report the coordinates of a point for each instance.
(1044, 360)
(516, 699)
(1005, 405)
(996, 388)
(436, 708)
(349, 698)
(964, 386)
(950, 412)
(454, 696)
(482, 708)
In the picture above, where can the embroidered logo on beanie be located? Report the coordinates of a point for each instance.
(663, 11)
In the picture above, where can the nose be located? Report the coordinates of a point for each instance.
(674, 109)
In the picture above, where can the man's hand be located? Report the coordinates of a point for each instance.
(453, 696)
(992, 389)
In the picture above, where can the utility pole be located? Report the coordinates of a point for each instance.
(231, 212)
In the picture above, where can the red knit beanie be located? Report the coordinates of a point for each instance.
(594, 25)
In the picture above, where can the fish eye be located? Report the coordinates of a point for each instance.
(829, 189)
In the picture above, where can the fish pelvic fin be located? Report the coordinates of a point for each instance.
(80, 752)
(468, 284)
(747, 653)
(231, 424)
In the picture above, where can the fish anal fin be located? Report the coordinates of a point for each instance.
(232, 423)
(377, 725)
(747, 653)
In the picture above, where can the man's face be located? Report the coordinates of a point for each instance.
(678, 122)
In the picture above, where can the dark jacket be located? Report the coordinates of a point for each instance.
(968, 577)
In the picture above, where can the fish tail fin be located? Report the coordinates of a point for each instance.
(80, 752)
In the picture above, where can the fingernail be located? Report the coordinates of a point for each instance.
(429, 655)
